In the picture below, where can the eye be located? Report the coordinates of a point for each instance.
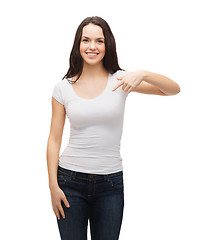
(85, 40)
(100, 41)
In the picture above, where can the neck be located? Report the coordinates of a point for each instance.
(92, 72)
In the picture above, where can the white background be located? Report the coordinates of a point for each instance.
(161, 139)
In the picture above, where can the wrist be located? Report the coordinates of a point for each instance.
(53, 185)
(143, 74)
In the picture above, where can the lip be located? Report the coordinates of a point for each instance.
(92, 56)
(92, 53)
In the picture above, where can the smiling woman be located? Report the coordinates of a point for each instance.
(93, 36)
(82, 177)
(88, 175)
(91, 46)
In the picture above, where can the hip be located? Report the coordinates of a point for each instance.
(90, 184)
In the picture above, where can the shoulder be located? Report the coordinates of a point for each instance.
(117, 74)
(61, 83)
(61, 86)
(60, 91)
(121, 73)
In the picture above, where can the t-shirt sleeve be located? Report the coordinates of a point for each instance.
(121, 73)
(57, 93)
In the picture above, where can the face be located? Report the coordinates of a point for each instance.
(92, 45)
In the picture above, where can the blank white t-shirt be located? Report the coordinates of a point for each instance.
(95, 127)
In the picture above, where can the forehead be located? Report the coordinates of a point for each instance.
(92, 31)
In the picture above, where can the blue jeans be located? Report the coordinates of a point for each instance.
(97, 197)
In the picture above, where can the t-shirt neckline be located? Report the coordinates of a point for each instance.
(91, 99)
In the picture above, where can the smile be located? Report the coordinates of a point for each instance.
(92, 54)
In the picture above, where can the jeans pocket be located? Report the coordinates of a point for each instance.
(63, 178)
(117, 180)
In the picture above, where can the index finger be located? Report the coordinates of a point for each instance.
(117, 86)
(61, 210)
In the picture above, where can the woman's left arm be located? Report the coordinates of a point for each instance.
(146, 82)
(165, 84)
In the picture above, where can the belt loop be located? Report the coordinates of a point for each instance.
(73, 174)
(106, 177)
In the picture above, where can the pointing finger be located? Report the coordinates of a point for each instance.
(121, 83)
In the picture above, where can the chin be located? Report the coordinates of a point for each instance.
(92, 62)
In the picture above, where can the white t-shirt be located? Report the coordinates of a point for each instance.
(95, 127)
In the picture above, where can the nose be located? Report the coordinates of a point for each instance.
(92, 45)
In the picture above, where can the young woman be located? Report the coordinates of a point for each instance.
(86, 180)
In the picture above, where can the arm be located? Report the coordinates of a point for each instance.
(54, 141)
(53, 149)
(146, 82)
(155, 83)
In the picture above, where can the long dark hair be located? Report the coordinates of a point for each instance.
(110, 60)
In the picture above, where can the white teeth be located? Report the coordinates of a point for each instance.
(93, 54)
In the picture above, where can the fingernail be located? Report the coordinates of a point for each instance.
(68, 206)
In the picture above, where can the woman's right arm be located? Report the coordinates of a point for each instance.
(54, 140)
(53, 149)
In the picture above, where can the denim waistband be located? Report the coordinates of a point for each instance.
(87, 175)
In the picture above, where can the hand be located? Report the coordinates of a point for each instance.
(56, 196)
(130, 80)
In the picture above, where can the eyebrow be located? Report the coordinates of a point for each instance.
(97, 38)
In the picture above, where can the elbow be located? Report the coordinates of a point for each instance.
(175, 91)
